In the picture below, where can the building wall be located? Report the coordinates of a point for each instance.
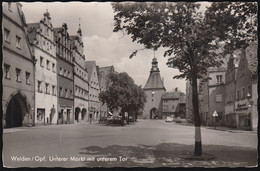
(153, 101)
(93, 94)
(81, 87)
(246, 108)
(16, 58)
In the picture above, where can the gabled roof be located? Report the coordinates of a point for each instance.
(90, 66)
(154, 81)
(32, 29)
(173, 95)
(251, 55)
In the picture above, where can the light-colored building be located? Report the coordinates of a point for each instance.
(18, 69)
(173, 104)
(103, 77)
(44, 48)
(94, 90)
(81, 91)
(154, 89)
(65, 75)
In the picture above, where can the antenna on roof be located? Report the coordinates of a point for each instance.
(79, 21)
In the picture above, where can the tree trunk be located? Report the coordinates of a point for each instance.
(195, 103)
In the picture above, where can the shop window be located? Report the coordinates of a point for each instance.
(18, 75)
(7, 71)
(27, 77)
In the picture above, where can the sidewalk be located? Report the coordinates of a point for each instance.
(221, 128)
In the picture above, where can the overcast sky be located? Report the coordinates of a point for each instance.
(100, 42)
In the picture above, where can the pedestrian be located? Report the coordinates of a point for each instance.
(53, 111)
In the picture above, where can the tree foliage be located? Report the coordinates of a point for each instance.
(122, 92)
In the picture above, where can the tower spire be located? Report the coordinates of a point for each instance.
(79, 30)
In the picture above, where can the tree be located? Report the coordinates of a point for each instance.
(191, 38)
(122, 92)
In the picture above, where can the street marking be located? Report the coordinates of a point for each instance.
(60, 136)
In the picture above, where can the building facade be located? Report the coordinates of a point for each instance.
(65, 76)
(18, 69)
(44, 48)
(246, 89)
(231, 76)
(173, 104)
(94, 103)
(103, 78)
(81, 85)
(154, 89)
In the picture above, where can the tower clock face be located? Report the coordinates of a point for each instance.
(154, 69)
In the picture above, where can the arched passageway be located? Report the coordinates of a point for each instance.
(153, 113)
(16, 110)
(77, 111)
(83, 113)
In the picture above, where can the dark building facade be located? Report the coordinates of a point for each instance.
(65, 76)
(18, 69)
(154, 89)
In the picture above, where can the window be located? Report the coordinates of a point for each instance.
(18, 42)
(7, 71)
(69, 73)
(71, 94)
(60, 92)
(219, 98)
(47, 88)
(237, 94)
(219, 78)
(65, 72)
(61, 70)
(249, 90)
(66, 91)
(47, 46)
(39, 86)
(41, 62)
(53, 90)
(243, 93)
(48, 64)
(18, 74)
(9, 6)
(7, 35)
(27, 77)
(53, 67)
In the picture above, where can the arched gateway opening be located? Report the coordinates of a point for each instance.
(83, 113)
(16, 111)
(153, 113)
(77, 111)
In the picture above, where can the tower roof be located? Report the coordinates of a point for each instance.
(154, 81)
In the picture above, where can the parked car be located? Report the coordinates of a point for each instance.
(178, 120)
(169, 119)
(115, 120)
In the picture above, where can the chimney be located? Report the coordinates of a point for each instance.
(176, 89)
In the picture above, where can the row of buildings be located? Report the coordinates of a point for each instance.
(46, 78)
(231, 92)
